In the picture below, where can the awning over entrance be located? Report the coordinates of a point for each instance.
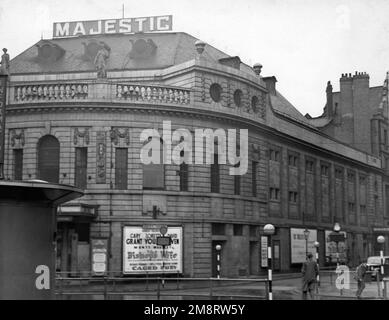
(76, 211)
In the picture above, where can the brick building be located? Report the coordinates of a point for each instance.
(68, 124)
(358, 115)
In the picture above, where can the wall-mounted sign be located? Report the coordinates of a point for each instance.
(125, 25)
(332, 249)
(3, 97)
(99, 256)
(142, 254)
(299, 244)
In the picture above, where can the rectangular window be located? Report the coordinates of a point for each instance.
(254, 178)
(215, 174)
(237, 181)
(309, 165)
(362, 179)
(80, 176)
(351, 177)
(351, 207)
(218, 229)
(387, 200)
(274, 194)
(338, 173)
(238, 230)
(386, 137)
(362, 209)
(18, 164)
(274, 155)
(184, 171)
(253, 231)
(121, 168)
(292, 160)
(293, 196)
(324, 170)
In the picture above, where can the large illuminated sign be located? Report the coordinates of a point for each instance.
(111, 26)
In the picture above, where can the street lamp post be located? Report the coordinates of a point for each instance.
(269, 231)
(337, 232)
(381, 241)
(306, 236)
(218, 267)
(317, 244)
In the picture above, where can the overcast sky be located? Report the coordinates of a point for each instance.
(303, 43)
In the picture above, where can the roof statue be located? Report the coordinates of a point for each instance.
(101, 61)
(383, 106)
(5, 62)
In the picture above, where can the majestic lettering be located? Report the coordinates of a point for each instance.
(125, 25)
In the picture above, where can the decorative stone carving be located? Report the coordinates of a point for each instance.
(255, 150)
(100, 157)
(142, 49)
(203, 87)
(81, 134)
(116, 134)
(49, 52)
(155, 94)
(17, 136)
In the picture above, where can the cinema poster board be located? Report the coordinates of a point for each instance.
(99, 256)
(298, 244)
(142, 255)
(331, 249)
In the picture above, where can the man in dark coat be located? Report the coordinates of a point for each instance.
(310, 271)
(360, 274)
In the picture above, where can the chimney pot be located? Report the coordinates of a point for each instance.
(257, 68)
(200, 45)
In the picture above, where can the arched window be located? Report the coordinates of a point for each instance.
(154, 174)
(238, 97)
(48, 159)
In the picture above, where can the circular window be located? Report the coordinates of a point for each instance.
(215, 90)
(254, 104)
(238, 97)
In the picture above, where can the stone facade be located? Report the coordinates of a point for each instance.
(304, 179)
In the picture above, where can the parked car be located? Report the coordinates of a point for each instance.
(374, 264)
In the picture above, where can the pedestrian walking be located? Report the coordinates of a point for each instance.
(309, 271)
(359, 276)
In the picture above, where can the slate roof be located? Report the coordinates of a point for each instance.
(172, 48)
(283, 107)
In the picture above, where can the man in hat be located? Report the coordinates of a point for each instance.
(310, 271)
(359, 275)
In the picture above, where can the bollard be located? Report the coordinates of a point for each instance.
(270, 274)
(378, 285)
(158, 289)
(105, 288)
(210, 289)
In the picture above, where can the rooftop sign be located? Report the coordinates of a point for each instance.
(112, 26)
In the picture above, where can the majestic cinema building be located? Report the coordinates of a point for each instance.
(75, 112)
